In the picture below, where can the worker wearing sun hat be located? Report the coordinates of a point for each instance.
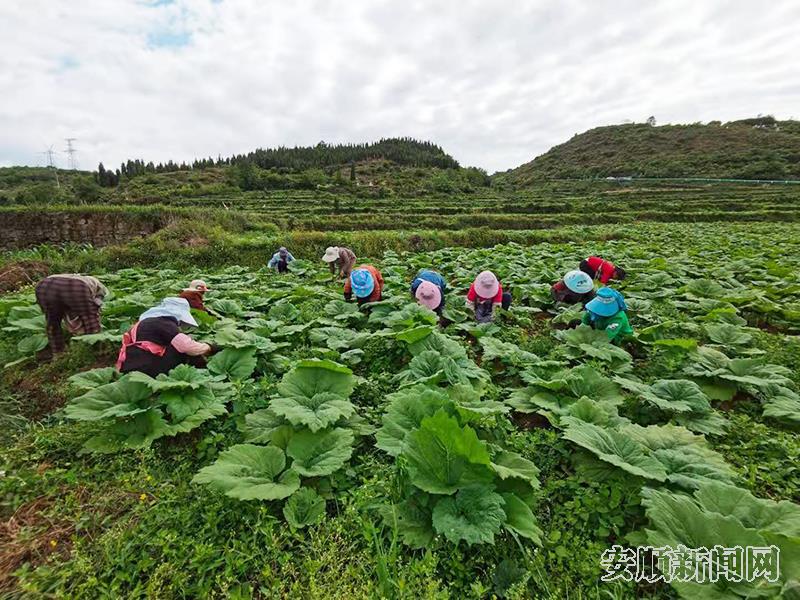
(366, 282)
(485, 294)
(428, 288)
(340, 258)
(155, 343)
(576, 287)
(194, 294)
(280, 260)
(607, 312)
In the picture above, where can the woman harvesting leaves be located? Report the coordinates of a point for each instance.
(194, 294)
(601, 269)
(342, 259)
(73, 298)
(280, 260)
(576, 287)
(155, 343)
(484, 295)
(428, 288)
(607, 312)
(366, 282)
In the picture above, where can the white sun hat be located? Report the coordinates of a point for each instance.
(177, 308)
(331, 254)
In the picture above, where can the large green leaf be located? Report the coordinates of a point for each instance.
(182, 377)
(677, 396)
(511, 465)
(727, 334)
(475, 514)
(32, 343)
(405, 412)
(678, 520)
(88, 380)
(587, 381)
(520, 518)
(304, 508)
(755, 513)
(120, 398)
(131, 432)
(322, 453)
(315, 412)
(234, 363)
(443, 457)
(260, 426)
(614, 447)
(250, 472)
(189, 409)
(412, 520)
(311, 377)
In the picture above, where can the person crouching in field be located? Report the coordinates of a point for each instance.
(576, 286)
(74, 298)
(602, 270)
(428, 288)
(606, 312)
(340, 258)
(484, 295)
(280, 260)
(194, 294)
(366, 282)
(155, 343)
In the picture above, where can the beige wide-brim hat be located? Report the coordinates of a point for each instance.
(331, 254)
(196, 285)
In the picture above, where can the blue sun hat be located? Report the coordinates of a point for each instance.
(578, 282)
(362, 282)
(607, 303)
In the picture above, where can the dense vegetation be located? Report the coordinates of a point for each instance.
(575, 444)
(327, 451)
(760, 148)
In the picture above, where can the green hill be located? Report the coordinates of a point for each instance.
(760, 148)
(390, 167)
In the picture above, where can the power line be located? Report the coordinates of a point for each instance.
(51, 163)
(71, 151)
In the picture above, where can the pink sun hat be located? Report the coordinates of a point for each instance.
(486, 284)
(428, 294)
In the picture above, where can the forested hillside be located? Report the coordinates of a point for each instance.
(760, 148)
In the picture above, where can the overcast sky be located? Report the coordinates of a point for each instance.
(493, 82)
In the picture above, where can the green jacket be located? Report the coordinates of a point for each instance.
(617, 326)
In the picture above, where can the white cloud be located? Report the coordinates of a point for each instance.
(494, 83)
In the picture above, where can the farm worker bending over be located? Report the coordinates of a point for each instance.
(342, 259)
(607, 312)
(366, 282)
(428, 288)
(484, 295)
(74, 298)
(576, 287)
(194, 294)
(155, 343)
(602, 270)
(280, 260)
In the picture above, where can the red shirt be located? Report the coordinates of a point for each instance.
(472, 295)
(603, 269)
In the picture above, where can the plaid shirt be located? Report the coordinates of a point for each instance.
(62, 296)
(345, 262)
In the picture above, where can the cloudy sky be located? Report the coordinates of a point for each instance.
(493, 82)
